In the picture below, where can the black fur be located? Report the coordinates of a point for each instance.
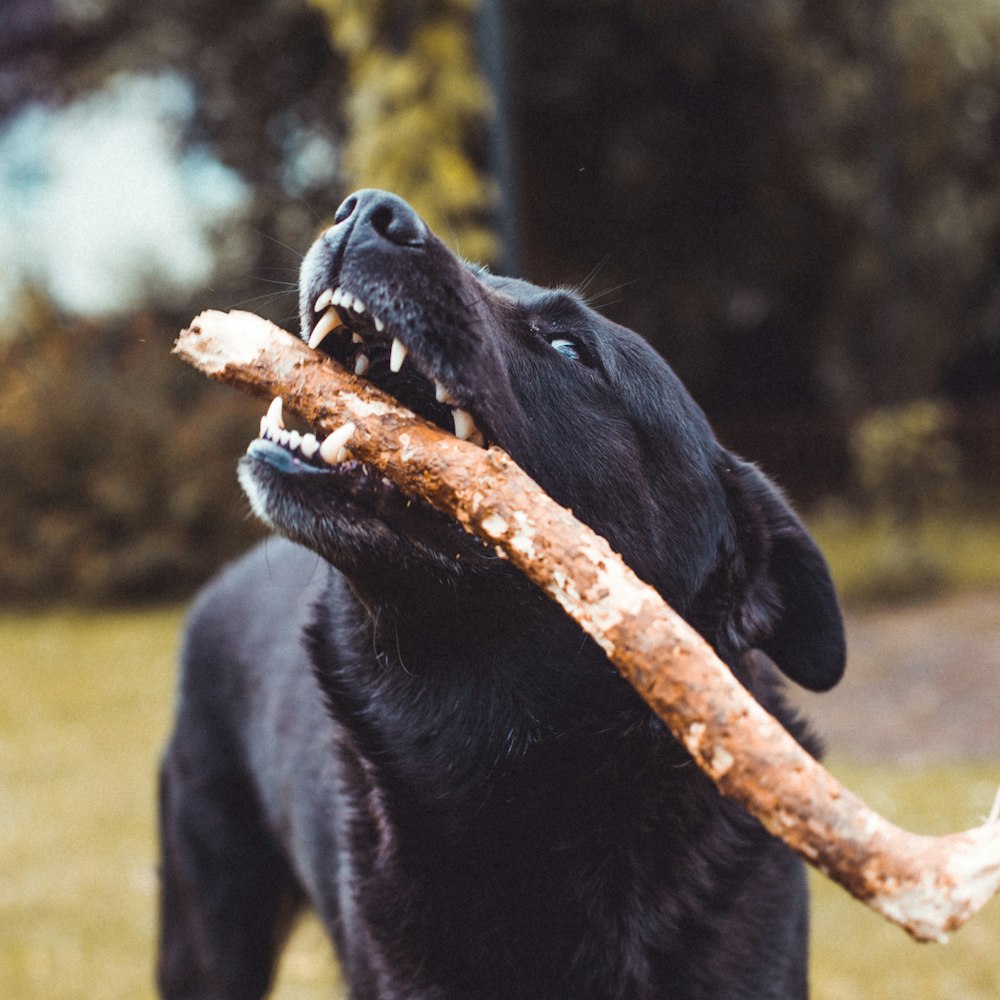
(381, 718)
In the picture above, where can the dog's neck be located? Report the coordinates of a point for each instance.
(515, 666)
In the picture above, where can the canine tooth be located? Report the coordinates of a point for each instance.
(309, 445)
(329, 322)
(379, 325)
(397, 355)
(343, 455)
(441, 393)
(361, 364)
(323, 301)
(274, 416)
(465, 426)
(334, 443)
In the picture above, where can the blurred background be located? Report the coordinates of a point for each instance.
(797, 202)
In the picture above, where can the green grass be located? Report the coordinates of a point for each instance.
(958, 551)
(856, 955)
(85, 710)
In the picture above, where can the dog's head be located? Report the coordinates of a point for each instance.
(585, 406)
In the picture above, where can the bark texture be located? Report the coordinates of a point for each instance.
(928, 885)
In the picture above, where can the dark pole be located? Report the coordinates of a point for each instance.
(493, 52)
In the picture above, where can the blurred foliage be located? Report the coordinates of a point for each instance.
(797, 202)
(799, 199)
(907, 467)
(959, 545)
(267, 89)
(416, 110)
(907, 461)
(118, 466)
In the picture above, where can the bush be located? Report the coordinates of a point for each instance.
(118, 464)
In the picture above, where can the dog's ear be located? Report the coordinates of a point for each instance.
(789, 608)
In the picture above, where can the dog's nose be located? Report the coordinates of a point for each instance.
(383, 216)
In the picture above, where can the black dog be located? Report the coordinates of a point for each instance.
(387, 721)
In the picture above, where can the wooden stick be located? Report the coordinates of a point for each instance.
(928, 885)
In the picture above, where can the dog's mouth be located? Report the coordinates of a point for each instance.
(376, 349)
(298, 478)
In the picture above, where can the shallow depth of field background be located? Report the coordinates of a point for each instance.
(798, 203)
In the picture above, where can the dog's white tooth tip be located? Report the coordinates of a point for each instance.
(397, 355)
(337, 297)
(379, 325)
(294, 440)
(347, 300)
(343, 455)
(359, 306)
(323, 301)
(275, 417)
(263, 426)
(327, 324)
(361, 364)
(332, 444)
(465, 426)
(441, 393)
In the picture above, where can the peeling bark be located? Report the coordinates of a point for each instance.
(928, 885)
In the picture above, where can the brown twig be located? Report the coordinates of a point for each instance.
(928, 885)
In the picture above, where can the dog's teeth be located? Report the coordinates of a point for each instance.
(361, 364)
(309, 445)
(397, 355)
(283, 438)
(329, 322)
(294, 440)
(337, 298)
(263, 427)
(334, 443)
(465, 426)
(379, 325)
(346, 300)
(323, 301)
(359, 306)
(274, 416)
(356, 338)
(441, 393)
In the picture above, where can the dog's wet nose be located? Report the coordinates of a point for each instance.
(383, 216)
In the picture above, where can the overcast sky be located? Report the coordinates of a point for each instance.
(94, 199)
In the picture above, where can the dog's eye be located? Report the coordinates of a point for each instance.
(568, 348)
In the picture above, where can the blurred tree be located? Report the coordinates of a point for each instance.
(266, 84)
(117, 469)
(125, 488)
(416, 111)
(896, 107)
(800, 199)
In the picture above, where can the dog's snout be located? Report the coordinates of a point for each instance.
(379, 215)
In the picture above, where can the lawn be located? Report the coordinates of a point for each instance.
(86, 706)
